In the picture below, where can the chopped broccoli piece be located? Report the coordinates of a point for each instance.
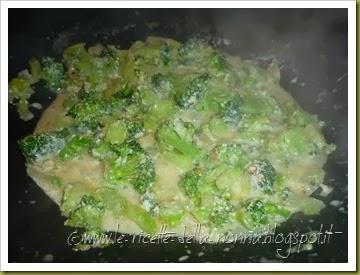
(191, 181)
(19, 93)
(299, 141)
(255, 213)
(178, 135)
(53, 73)
(161, 111)
(221, 210)
(141, 217)
(211, 204)
(120, 130)
(89, 110)
(74, 147)
(231, 110)
(88, 213)
(135, 128)
(39, 147)
(219, 62)
(35, 69)
(193, 93)
(116, 132)
(230, 154)
(263, 175)
(171, 214)
(120, 207)
(193, 50)
(219, 129)
(102, 151)
(150, 203)
(161, 84)
(132, 165)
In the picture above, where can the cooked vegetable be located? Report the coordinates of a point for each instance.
(87, 214)
(131, 165)
(38, 147)
(173, 134)
(263, 175)
(231, 110)
(177, 135)
(193, 92)
(53, 74)
(74, 147)
(257, 213)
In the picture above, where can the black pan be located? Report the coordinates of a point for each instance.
(311, 45)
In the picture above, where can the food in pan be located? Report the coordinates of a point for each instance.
(169, 133)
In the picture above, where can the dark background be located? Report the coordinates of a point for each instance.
(311, 45)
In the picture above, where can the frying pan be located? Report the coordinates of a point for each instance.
(311, 45)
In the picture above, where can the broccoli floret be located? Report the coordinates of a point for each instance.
(192, 50)
(19, 93)
(135, 128)
(53, 73)
(219, 63)
(221, 210)
(120, 130)
(230, 154)
(126, 92)
(88, 213)
(89, 110)
(231, 110)
(255, 213)
(211, 204)
(116, 132)
(191, 181)
(150, 203)
(171, 213)
(132, 165)
(161, 84)
(38, 147)
(74, 147)
(263, 175)
(193, 93)
(178, 135)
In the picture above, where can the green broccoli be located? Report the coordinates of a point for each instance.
(263, 175)
(74, 147)
(178, 135)
(161, 84)
(19, 93)
(135, 128)
(194, 50)
(191, 182)
(53, 74)
(120, 207)
(219, 62)
(171, 213)
(221, 210)
(89, 110)
(212, 205)
(88, 213)
(231, 110)
(38, 147)
(255, 213)
(132, 165)
(161, 111)
(193, 93)
(116, 132)
(230, 154)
